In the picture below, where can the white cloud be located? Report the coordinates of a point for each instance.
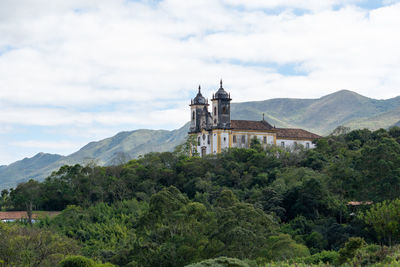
(98, 65)
(48, 145)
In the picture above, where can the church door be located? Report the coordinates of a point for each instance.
(203, 151)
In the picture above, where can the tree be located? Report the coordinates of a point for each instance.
(220, 262)
(4, 198)
(350, 248)
(26, 196)
(385, 220)
(80, 261)
(340, 130)
(30, 246)
(187, 148)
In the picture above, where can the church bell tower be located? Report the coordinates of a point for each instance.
(221, 109)
(198, 113)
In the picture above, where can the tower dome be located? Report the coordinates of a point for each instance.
(221, 93)
(199, 99)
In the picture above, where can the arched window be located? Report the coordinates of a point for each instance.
(215, 110)
(204, 137)
(193, 115)
(224, 110)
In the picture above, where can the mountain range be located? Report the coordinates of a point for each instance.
(320, 116)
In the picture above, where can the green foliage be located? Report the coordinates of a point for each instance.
(283, 247)
(77, 261)
(81, 261)
(385, 220)
(265, 205)
(350, 248)
(26, 246)
(26, 197)
(221, 262)
(329, 257)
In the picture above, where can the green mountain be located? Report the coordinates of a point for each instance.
(320, 116)
(324, 114)
(113, 150)
(28, 168)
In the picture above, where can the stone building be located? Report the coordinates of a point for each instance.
(216, 131)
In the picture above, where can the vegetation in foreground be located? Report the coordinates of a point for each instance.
(244, 207)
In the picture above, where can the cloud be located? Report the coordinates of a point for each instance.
(105, 65)
(48, 145)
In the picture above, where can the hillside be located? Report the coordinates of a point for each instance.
(268, 207)
(320, 116)
(28, 168)
(324, 114)
(113, 150)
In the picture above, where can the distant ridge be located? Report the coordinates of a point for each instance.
(320, 116)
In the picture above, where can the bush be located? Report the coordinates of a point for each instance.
(221, 262)
(77, 261)
(81, 261)
(322, 257)
(350, 248)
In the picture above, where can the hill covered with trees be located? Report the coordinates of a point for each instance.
(337, 203)
(320, 115)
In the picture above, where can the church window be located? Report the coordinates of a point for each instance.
(224, 110)
(243, 139)
(307, 145)
(208, 139)
(193, 115)
(224, 139)
(215, 120)
(282, 144)
(265, 140)
(234, 139)
(198, 141)
(204, 137)
(215, 110)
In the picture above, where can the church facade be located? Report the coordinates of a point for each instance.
(215, 131)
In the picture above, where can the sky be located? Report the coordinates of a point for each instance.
(77, 71)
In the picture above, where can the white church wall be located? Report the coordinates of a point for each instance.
(204, 143)
(289, 143)
(224, 140)
(243, 139)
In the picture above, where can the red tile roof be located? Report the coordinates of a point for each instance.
(298, 134)
(295, 134)
(358, 203)
(17, 215)
(250, 125)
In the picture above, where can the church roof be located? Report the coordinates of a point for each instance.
(295, 134)
(250, 125)
(221, 93)
(281, 133)
(199, 99)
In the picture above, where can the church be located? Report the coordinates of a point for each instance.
(216, 131)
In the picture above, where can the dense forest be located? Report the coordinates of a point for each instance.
(334, 205)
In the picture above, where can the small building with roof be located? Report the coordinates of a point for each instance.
(215, 131)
